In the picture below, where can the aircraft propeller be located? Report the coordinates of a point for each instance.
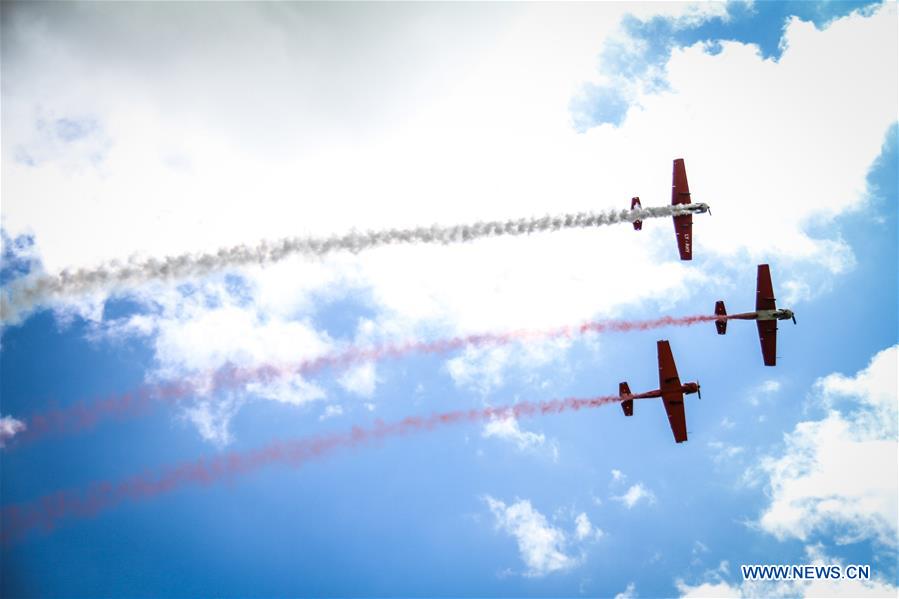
(794, 319)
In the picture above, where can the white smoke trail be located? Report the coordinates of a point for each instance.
(23, 296)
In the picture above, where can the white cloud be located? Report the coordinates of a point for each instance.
(331, 411)
(9, 427)
(308, 138)
(682, 14)
(541, 546)
(584, 529)
(796, 292)
(196, 331)
(873, 389)
(291, 389)
(583, 526)
(618, 475)
(209, 337)
(630, 592)
(479, 369)
(723, 452)
(635, 494)
(360, 380)
(425, 124)
(819, 484)
(212, 417)
(803, 73)
(770, 386)
(507, 429)
(763, 391)
(484, 369)
(716, 590)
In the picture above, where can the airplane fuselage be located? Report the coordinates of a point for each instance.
(698, 208)
(782, 314)
(686, 389)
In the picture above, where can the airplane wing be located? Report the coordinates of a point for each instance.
(680, 189)
(674, 407)
(672, 396)
(764, 291)
(683, 225)
(683, 229)
(768, 339)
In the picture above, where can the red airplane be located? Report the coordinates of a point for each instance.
(670, 390)
(683, 222)
(765, 316)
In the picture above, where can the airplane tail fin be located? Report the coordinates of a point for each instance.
(628, 404)
(721, 325)
(636, 205)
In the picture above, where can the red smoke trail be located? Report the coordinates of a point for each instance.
(85, 415)
(46, 512)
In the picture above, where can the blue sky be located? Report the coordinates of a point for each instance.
(194, 138)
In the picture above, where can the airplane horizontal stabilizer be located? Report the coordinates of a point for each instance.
(628, 404)
(721, 325)
(636, 205)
